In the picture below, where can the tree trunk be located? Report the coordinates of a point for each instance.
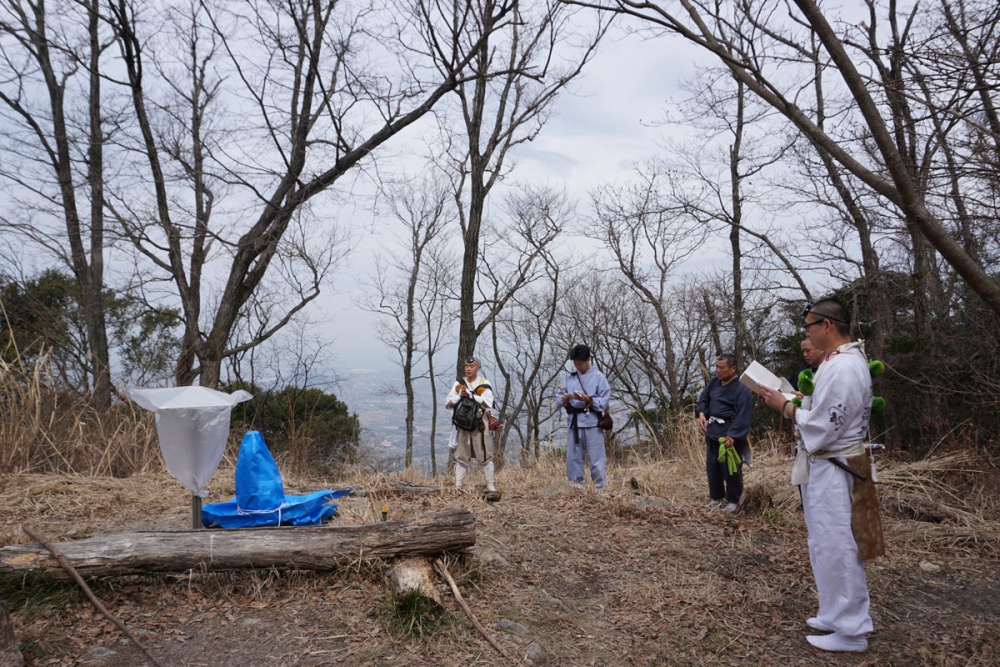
(319, 548)
(739, 317)
(713, 326)
(434, 406)
(467, 305)
(902, 190)
(414, 575)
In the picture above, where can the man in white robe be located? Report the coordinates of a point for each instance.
(476, 444)
(832, 430)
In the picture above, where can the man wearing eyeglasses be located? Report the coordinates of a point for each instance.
(584, 393)
(833, 429)
(724, 409)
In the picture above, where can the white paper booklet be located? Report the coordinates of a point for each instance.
(756, 376)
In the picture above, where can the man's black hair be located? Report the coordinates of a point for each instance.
(579, 353)
(835, 311)
(730, 359)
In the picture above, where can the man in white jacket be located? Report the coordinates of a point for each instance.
(477, 443)
(832, 431)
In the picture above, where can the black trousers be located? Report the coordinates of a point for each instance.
(720, 483)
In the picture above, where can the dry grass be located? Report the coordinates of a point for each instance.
(44, 429)
(596, 578)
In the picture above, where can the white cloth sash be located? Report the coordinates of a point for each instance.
(800, 469)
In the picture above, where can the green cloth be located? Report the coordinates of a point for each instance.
(730, 456)
(806, 382)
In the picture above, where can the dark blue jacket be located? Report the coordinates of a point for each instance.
(733, 403)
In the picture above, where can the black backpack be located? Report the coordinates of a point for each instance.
(468, 415)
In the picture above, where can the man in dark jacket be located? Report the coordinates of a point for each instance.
(724, 409)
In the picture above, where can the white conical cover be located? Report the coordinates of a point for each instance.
(193, 425)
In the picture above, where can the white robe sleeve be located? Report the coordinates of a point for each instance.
(838, 413)
(485, 399)
(452, 396)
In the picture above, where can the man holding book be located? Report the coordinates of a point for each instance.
(832, 469)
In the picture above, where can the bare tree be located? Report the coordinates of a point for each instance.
(422, 208)
(721, 180)
(520, 336)
(54, 149)
(517, 75)
(753, 39)
(436, 309)
(309, 92)
(648, 235)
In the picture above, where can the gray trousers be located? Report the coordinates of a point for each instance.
(591, 443)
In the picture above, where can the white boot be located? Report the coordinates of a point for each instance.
(460, 472)
(817, 624)
(838, 642)
(488, 474)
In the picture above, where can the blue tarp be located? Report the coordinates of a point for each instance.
(260, 498)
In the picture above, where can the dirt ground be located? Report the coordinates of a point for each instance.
(593, 579)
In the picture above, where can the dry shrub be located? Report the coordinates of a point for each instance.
(45, 428)
(919, 490)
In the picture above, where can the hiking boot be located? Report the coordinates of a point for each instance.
(715, 504)
(730, 507)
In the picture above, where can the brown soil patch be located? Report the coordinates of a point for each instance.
(595, 580)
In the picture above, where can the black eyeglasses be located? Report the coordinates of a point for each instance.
(809, 324)
(808, 307)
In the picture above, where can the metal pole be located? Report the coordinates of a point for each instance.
(195, 512)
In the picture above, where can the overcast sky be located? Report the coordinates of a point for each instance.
(598, 131)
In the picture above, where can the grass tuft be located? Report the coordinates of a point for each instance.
(411, 615)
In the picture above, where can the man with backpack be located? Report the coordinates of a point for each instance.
(585, 394)
(470, 401)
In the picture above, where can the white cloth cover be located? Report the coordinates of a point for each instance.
(192, 424)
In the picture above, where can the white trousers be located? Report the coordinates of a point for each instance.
(837, 568)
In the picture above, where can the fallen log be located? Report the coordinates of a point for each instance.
(319, 548)
(397, 488)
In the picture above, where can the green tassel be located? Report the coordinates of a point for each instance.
(878, 404)
(730, 456)
(797, 402)
(875, 368)
(806, 383)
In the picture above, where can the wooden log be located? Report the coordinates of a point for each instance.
(10, 654)
(397, 488)
(414, 574)
(319, 548)
(394, 489)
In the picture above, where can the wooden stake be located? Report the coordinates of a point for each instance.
(10, 655)
(90, 594)
(196, 512)
(443, 571)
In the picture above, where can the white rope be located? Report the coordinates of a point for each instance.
(242, 512)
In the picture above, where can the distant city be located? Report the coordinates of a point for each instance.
(378, 399)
